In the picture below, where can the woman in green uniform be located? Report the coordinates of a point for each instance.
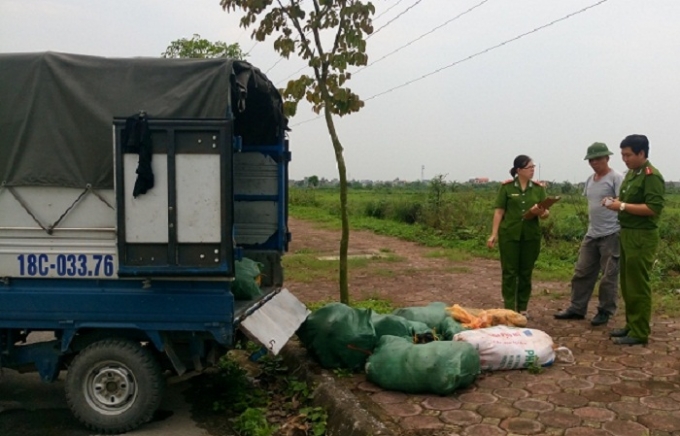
(518, 233)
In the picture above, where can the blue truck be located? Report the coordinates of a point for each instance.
(129, 191)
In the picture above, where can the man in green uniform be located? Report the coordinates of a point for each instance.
(640, 203)
(519, 238)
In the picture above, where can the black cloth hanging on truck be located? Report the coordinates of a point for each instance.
(137, 139)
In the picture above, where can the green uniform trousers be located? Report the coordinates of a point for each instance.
(638, 250)
(517, 263)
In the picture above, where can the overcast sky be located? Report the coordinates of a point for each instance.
(600, 75)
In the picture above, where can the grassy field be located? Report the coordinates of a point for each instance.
(455, 219)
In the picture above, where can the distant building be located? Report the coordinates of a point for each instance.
(479, 180)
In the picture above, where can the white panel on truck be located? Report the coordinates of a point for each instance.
(146, 217)
(198, 198)
(82, 240)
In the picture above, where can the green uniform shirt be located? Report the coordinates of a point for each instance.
(642, 186)
(515, 202)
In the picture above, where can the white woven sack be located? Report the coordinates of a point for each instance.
(504, 347)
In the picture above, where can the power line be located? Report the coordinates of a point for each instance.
(422, 36)
(387, 10)
(275, 64)
(379, 29)
(394, 19)
(485, 50)
(471, 56)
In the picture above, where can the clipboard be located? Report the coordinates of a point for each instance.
(545, 204)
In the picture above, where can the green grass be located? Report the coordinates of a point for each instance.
(457, 224)
(375, 303)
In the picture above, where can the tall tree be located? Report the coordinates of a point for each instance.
(331, 36)
(201, 48)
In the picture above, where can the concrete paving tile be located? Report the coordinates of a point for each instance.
(463, 418)
(559, 419)
(528, 415)
(625, 428)
(576, 384)
(585, 431)
(600, 395)
(520, 376)
(633, 375)
(492, 382)
(484, 430)
(568, 400)
(664, 361)
(369, 387)
(660, 403)
(477, 398)
(555, 372)
(660, 385)
(628, 408)
(638, 351)
(660, 421)
(401, 410)
(441, 403)
(522, 426)
(497, 411)
(630, 389)
(421, 422)
(609, 366)
(635, 361)
(533, 405)
(581, 371)
(511, 393)
(660, 371)
(543, 388)
(594, 414)
(389, 397)
(604, 379)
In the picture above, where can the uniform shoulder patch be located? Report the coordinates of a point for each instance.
(539, 183)
(649, 171)
(505, 182)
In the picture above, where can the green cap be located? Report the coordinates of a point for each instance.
(598, 149)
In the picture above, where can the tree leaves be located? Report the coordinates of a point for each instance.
(297, 32)
(198, 47)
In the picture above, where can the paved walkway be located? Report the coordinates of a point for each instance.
(608, 390)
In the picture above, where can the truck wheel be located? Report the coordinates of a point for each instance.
(114, 386)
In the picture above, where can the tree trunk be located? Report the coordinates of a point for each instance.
(344, 239)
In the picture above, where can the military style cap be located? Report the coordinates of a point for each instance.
(598, 149)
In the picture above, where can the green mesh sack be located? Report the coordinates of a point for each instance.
(398, 326)
(339, 336)
(438, 367)
(435, 316)
(449, 327)
(246, 280)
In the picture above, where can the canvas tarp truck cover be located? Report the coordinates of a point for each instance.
(56, 110)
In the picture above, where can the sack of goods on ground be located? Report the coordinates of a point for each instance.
(425, 349)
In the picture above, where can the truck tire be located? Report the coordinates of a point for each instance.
(114, 386)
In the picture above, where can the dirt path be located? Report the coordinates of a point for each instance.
(609, 390)
(416, 278)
